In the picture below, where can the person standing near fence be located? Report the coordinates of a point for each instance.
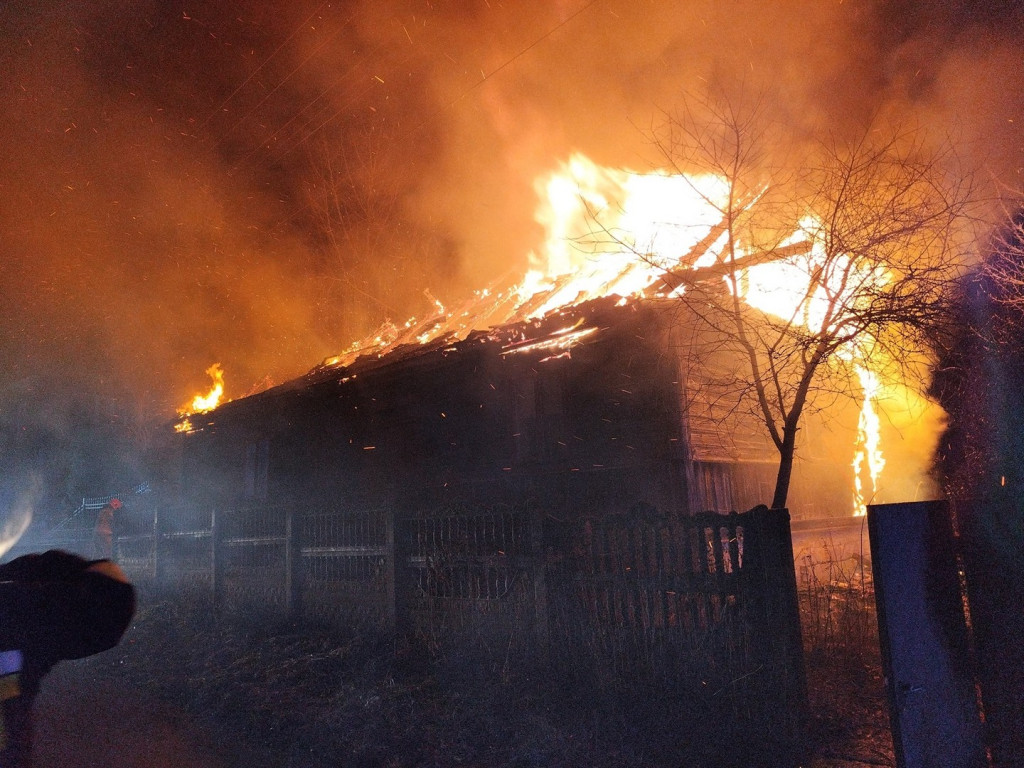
(103, 535)
(53, 606)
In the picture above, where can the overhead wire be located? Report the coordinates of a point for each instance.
(256, 71)
(273, 138)
(308, 134)
(287, 77)
(448, 105)
(515, 58)
(483, 79)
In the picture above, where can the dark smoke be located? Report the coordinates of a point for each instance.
(164, 165)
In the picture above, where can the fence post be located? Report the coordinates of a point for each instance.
(924, 637)
(158, 566)
(538, 561)
(770, 559)
(293, 563)
(401, 549)
(216, 561)
(390, 572)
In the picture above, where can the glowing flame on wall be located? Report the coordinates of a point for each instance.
(867, 460)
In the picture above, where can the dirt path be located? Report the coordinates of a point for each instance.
(83, 722)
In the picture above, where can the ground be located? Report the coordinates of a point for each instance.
(184, 691)
(88, 718)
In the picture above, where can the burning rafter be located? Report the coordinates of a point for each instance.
(720, 269)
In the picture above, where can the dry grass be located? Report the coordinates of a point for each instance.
(850, 721)
(837, 601)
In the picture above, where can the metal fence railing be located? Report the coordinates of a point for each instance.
(470, 572)
(348, 564)
(322, 564)
(707, 600)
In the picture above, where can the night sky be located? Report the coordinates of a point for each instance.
(164, 162)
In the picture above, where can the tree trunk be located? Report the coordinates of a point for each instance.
(785, 474)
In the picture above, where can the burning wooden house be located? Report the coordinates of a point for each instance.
(548, 479)
(545, 463)
(556, 390)
(585, 412)
(538, 464)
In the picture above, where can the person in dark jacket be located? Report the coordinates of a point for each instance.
(53, 606)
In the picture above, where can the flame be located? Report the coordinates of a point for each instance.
(868, 459)
(653, 213)
(647, 213)
(202, 403)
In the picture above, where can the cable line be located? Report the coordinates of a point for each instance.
(291, 217)
(263, 64)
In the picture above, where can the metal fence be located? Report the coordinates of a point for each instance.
(323, 564)
(347, 565)
(704, 602)
(471, 574)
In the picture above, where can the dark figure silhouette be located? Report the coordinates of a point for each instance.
(53, 606)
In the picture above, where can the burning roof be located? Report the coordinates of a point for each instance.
(611, 247)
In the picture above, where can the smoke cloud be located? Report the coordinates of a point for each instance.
(16, 514)
(171, 168)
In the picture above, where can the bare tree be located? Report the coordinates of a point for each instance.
(1004, 262)
(863, 237)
